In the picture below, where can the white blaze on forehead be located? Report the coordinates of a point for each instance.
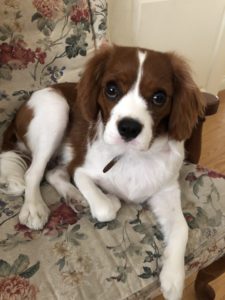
(131, 105)
(141, 58)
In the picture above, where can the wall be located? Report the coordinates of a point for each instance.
(193, 28)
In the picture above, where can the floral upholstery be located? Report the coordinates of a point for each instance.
(74, 256)
(44, 42)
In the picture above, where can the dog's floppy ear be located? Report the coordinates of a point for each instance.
(188, 103)
(90, 84)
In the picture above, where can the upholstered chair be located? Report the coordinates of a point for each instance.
(75, 257)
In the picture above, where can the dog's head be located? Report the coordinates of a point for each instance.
(140, 94)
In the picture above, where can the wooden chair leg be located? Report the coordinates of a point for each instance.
(202, 288)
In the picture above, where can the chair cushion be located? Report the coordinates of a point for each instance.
(44, 42)
(76, 257)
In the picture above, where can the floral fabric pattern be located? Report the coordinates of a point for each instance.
(16, 287)
(76, 257)
(44, 42)
(14, 283)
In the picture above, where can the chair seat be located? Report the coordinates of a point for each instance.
(75, 257)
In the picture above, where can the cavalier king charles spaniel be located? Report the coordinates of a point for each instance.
(119, 135)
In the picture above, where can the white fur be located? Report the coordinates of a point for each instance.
(44, 136)
(132, 105)
(66, 154)
(166, 205)
(148, 175)
(157, 166)
(60, 180)
(21, 147)
(103, 207)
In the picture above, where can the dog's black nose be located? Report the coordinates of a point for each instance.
(129, 128)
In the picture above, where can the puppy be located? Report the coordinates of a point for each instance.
(119, 134)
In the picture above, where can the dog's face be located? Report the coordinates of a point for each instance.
(140, 94)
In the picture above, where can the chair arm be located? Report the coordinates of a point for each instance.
(212, 103)
(193, 144)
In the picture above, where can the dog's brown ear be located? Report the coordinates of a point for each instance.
(188, 103)
(90, 84)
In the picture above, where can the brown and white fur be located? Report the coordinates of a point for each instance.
(136, 106)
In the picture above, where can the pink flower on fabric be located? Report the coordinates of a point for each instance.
(48, 8)
(18, 57)
(17, 288)
(61, 217)
(79, 14)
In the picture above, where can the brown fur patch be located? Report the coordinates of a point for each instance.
(17, 128)
(188, 102)
(157, 76)
(22, 121)
(68, 90)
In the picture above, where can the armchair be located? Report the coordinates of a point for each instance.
(74, 256)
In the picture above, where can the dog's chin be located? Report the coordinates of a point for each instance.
(119, 142)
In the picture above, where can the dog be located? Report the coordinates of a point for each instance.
(118, 134)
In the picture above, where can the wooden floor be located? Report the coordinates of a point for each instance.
(213, 147)
(212, 157)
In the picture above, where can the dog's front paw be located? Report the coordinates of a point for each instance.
(34, 215)
(172, 281)
(74, 199)
(107, 210)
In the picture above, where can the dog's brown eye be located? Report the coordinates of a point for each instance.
(112, 90)
(159, 98)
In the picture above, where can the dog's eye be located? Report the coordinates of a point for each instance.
(159, 98)
(112, 90)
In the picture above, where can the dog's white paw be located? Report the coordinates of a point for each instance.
(34, 215)
(108, 209)
(172, 281)
(74, 198)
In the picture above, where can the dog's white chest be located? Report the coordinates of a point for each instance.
(136, 175)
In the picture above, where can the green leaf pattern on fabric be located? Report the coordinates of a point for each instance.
(77, 252)
(45, 42)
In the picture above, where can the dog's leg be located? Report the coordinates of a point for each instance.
(60, 180)
(167, 206)
(103, 207)
(44, 136)
(34, 212)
